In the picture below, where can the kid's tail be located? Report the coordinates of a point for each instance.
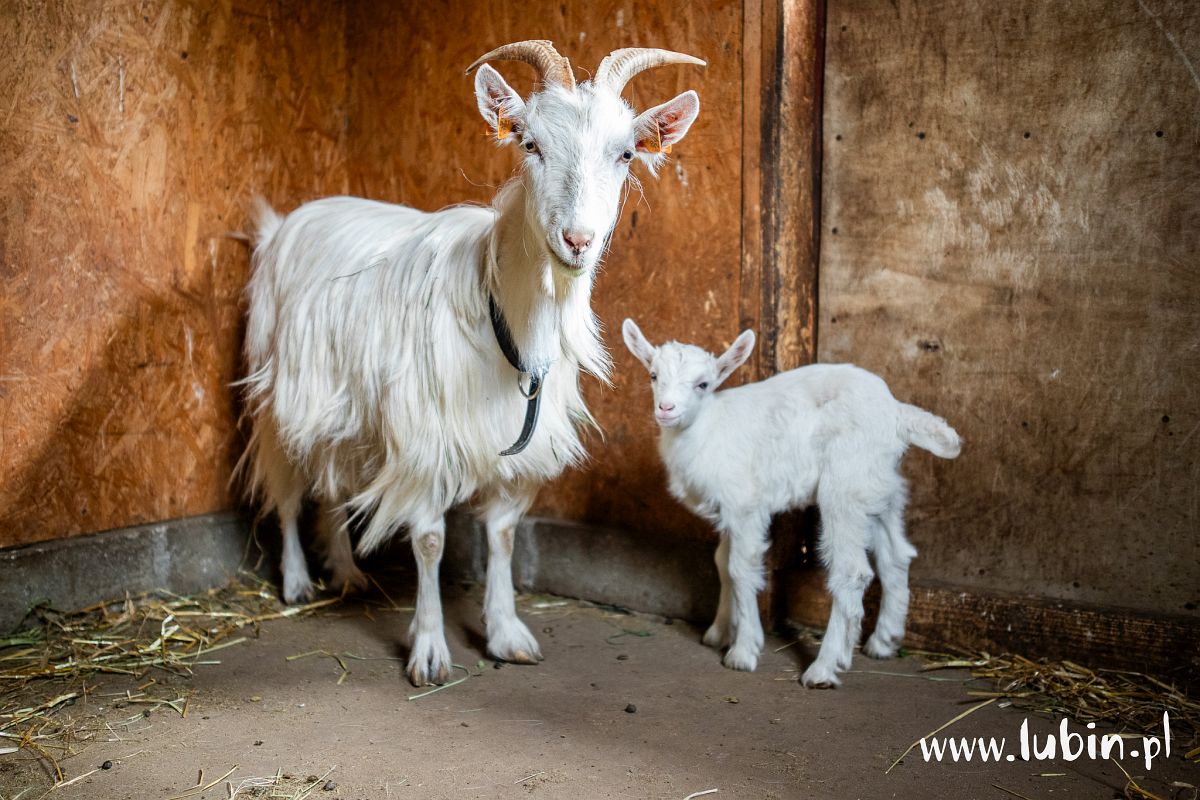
(928, 432)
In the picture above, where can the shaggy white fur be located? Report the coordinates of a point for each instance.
(829, 434)
(376, 383)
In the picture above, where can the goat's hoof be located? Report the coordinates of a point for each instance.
(717, 636)
(819, 676)
(350, 581)
(429, 661)
(878, 648)
(742, 659)
(509, 640)
(297, 589)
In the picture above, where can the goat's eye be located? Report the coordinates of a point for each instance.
(653, 377)
(531, 147)
(627, 156)
(702, 385)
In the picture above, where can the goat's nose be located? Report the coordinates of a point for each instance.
(666, 407)
(578, 241)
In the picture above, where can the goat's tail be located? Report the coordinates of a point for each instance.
(928, 432)
(266, 221)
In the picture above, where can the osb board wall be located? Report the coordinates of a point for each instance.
(1010, 237)
(134, 137)
(674, 265)
(131, 136)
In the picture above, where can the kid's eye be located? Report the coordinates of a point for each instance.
(531, 147)
(702, 385)
(653, 377)
(627, 156)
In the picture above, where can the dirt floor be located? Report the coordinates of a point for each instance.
(623, 706)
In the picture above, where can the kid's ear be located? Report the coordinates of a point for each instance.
(637, 343)
(735, 356)
(662, 126)
(501, 107)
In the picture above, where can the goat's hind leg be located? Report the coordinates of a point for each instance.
(893, 554)
(284, 488)
(843, 550)
(508, 639)
(333, 532)
(429, 657)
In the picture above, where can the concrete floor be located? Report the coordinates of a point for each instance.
(558, 730)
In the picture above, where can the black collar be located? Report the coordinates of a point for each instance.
(513, 356)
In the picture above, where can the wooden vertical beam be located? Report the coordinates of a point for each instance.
(782, 71)
(793, 67)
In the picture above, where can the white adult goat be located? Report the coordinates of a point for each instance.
(829, 434)
(377, 379)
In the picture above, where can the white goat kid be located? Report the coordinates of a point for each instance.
(829, 434)
(377, 379)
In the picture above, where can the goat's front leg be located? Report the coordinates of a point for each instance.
(508, 639)
(429, 657)
(747, 546)
(717, 634)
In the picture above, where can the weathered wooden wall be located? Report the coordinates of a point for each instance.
(131, 136)
(674, 264)
(1011, 236)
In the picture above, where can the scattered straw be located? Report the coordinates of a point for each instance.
(701, 794)
(1128, 700)
(135, 636)
(1010, 791)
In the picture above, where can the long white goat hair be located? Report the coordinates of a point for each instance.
(826, 434)
(376, 342)
(377, 381)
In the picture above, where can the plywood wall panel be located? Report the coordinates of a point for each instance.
(1010, 237)
(130, 140)
(417, 138)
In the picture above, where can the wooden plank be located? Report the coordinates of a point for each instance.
(792, 49)
(1011, 241)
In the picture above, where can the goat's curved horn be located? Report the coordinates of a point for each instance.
(619, 66)
(552, 68)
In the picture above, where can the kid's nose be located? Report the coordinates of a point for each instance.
(665, 406)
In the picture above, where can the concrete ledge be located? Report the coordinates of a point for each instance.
(658, 576)
(184, 555)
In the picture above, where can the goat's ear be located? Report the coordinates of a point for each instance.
(662, 126)
(637, 343)
(735, 356)
(501, 107)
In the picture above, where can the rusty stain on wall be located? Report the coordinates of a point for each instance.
(1010, 237)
